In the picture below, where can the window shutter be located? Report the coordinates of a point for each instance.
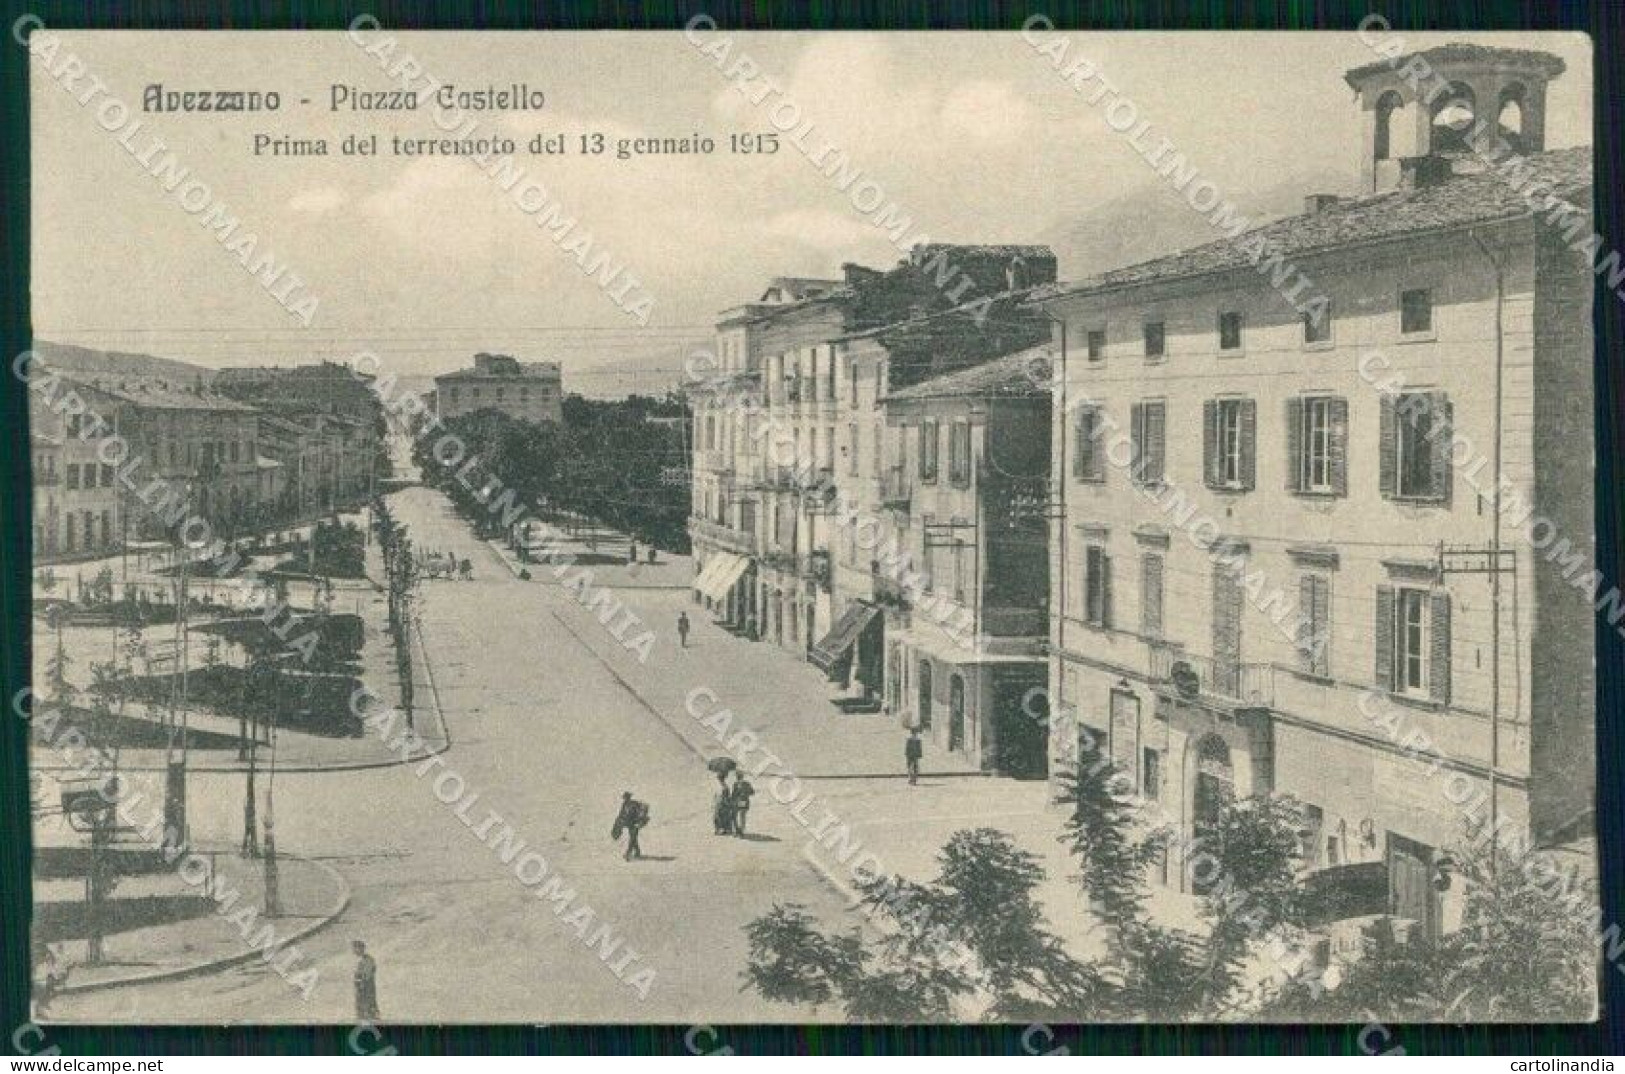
(1340, 446)
(1210, 443)
(1439, 646)
(1105, 590)
(1249, 443)
(1156, 429)
(1082, 447)
(1440, 416)
(1323, 626)
(1388, 449)
(1385, 637)
(1294, 445)
(1306, 623)
(1151, 595)
(1136, 426)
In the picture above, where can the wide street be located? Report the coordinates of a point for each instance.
(548, 737)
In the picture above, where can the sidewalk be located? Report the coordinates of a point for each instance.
(312, 895)
(784, 701)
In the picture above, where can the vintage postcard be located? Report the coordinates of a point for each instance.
(703, 527)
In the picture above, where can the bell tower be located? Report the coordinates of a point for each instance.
(1445, 102)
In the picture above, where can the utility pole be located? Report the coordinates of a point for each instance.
(273, 903)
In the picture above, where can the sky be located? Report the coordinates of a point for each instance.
(974, 136)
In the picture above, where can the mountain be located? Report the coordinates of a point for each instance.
(71, 358)
(1156, 220)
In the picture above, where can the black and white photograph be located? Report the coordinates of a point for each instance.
(710, 527)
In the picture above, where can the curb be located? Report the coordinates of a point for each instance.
(200, 968)
(394, 760)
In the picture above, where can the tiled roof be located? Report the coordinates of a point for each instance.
(1457, 202)
(1023, 373)
(1461, 52)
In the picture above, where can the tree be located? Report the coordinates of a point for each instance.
(56, 667)
(971, 943)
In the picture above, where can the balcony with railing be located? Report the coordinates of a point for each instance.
(1233, 682)
(721, 535)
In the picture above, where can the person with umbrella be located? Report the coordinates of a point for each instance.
(722, 804)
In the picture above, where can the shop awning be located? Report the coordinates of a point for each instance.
(708, 574)
(720, 575)
(835, 648)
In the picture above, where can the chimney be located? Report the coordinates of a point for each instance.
(1315, 204)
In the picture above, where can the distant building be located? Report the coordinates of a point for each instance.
(529, 391)
(327, 387)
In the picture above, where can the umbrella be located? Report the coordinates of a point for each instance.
(721, 765)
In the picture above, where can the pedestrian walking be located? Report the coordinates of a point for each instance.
(741, 802)
(913, 750)
(632, 819)
(632, 554)
(366, 983)
(682, 628)
(722, 808)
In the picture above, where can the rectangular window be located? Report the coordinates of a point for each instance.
(1097, 586)
(1413, 642)
(107, 476)
(1148, 423)
(1317, 324)
(1314, 625)
(928, 451)
(1088, 453)
(1151, 774)
(1229, 435)
(1230, 331)
(1416, 311)
(1095, 344)
(1151, 595)
(1415, 446)
(852, 382)
(1317, 445)
(1155, 339)
(73, 477)
(877, 448)
(959, 453)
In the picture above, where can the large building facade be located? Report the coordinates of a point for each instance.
(1326, 575)
(529, 391)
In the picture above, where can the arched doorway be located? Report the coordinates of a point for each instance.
(1214, 786)
(925, 693)
(956, 713)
